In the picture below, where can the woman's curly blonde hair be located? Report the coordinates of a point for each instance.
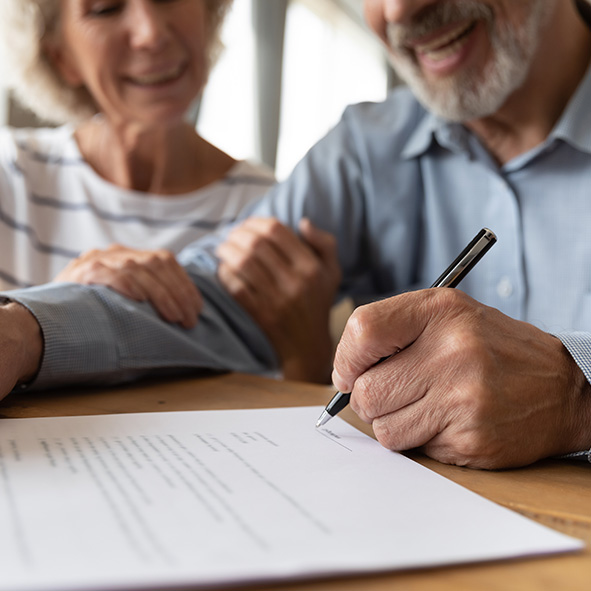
(25, 25)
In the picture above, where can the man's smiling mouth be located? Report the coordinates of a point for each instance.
(447, 44)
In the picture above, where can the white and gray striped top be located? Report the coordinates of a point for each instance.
(53, 206)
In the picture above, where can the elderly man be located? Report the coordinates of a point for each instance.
(496, 132)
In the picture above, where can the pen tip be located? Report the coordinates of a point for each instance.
(324, 418)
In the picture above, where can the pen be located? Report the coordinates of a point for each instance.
(460, 267)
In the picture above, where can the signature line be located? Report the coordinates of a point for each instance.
(333, 440)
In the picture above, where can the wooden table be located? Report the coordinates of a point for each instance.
(556, 493)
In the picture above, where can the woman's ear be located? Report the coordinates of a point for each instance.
(63, 63)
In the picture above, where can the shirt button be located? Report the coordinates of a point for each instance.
(505, 287)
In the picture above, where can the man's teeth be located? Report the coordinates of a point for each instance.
(157, 78)
(448, 44)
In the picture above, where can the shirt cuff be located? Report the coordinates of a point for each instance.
(577, 455)
(578, 344)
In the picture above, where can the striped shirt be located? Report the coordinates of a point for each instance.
(54, 206)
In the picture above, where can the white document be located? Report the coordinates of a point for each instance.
(146, 501)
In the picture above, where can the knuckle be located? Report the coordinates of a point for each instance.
(386, 435)
(95, 266)
(441, 303)
(361, 325)
(311, 272)
(240, 292)
(273, 229)
(130, 265)
(241, 263)
(154, 259)
(469, 350)
(366, 399)
(237, 289)
(256, 242)
(294, 292)
(165, 256)
(232, 235)
(448, 297)
(476, 449)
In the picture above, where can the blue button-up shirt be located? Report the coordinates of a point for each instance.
(403, 191)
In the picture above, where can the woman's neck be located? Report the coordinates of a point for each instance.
(164, 161)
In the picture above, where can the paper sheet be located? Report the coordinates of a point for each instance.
(220, 497)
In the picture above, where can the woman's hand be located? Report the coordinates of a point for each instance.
(287, 283)
(154, 276)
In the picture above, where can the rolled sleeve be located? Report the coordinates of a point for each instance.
(93, 335)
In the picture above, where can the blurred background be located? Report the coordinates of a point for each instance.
(288, 70)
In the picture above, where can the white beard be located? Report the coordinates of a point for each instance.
(471, 93)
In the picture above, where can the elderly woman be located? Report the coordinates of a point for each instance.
(126, 168)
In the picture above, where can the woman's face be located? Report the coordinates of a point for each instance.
(141, 60)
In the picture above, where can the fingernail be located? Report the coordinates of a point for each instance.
(337, 380)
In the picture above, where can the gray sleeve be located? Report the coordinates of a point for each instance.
(93, 335)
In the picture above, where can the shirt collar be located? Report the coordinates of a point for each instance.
(573, 127)
(421, 138)
(430, 129)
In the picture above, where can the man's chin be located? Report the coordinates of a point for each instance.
(458, 100)
(450, 108)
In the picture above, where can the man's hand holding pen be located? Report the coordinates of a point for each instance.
(470, 385)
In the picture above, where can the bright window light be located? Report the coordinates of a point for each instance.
(329, 62)
(226, 116)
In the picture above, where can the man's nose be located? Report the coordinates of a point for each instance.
(402, 11)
